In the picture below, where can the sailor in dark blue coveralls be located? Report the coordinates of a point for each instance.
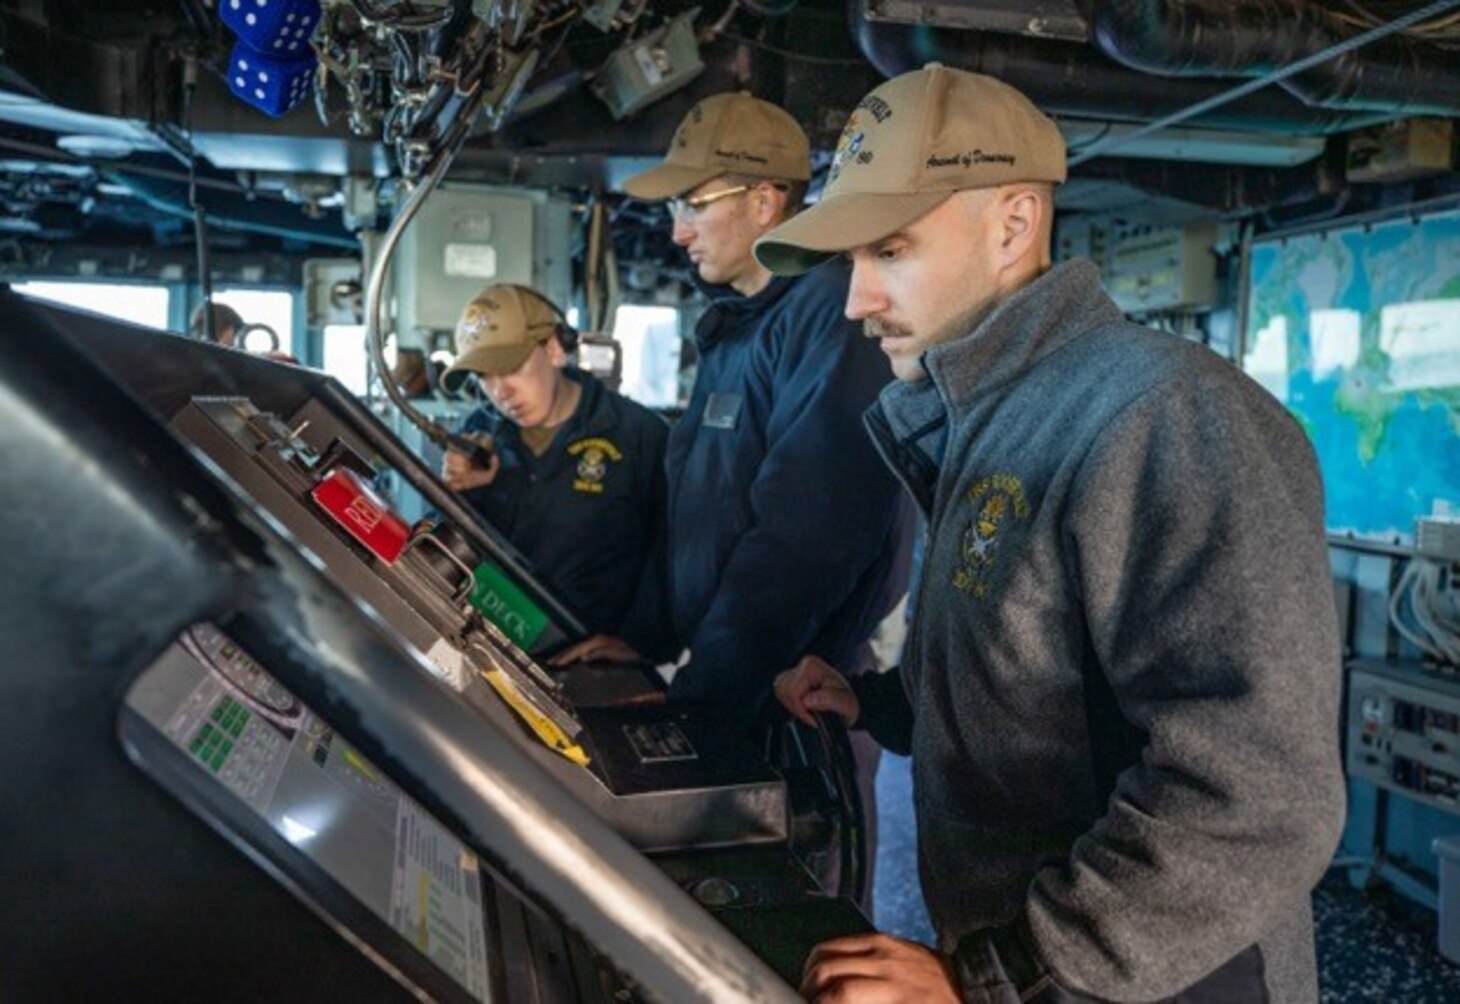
(575, 478)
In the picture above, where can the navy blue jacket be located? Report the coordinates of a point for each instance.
(588, 511)
(783, 522)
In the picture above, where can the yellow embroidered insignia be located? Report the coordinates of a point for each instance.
(995, 500)
(593, 458)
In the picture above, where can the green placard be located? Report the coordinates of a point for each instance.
(506, 606)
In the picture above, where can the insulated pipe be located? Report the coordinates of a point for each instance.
(1068, 78)
(1288, 72)
(1253, 38)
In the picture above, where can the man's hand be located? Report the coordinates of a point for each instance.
(461, 474)
(814, 686)
(877, 969)
(599, 648)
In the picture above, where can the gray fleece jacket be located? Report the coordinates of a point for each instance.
(1123, 673)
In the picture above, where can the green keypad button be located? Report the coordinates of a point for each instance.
(206, 741)
(214, 739)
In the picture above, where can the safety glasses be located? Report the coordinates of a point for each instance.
(689, 209)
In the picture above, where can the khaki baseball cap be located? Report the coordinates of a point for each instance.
(498, 331)
(727, 134)
(907, 147)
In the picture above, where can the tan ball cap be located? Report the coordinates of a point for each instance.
(498, 331)
(906, 148)
(727, 134)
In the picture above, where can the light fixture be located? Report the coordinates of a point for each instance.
(94, 145)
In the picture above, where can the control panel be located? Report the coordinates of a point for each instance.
(665, 778)
(1403, 731)
(282, 765)
(281, 725)
(1162, 268)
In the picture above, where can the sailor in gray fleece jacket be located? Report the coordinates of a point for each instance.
(1121, 686)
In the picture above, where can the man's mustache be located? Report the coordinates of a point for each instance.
(874, 328)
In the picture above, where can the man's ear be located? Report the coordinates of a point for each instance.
(768, 203)
(555, 352)
(1022, 219)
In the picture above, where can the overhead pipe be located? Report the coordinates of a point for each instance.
(231, 212)
(1069, 78)
(1260, 83)
(1255, 38)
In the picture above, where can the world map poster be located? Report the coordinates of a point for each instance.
(1357, 332)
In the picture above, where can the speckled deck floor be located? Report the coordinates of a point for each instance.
(1371, 948)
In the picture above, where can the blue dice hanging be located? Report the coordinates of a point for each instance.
(272, 85)
(273, 27)
(271, 66)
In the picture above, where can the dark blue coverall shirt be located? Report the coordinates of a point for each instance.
(784, 528)
(588, 510)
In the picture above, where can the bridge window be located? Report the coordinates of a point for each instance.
(273, 307)
(135, 302)
(345, 355)
(651, 350)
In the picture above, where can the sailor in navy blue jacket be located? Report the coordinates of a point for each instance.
(576, 478)
(784, 535)
(783, 532)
